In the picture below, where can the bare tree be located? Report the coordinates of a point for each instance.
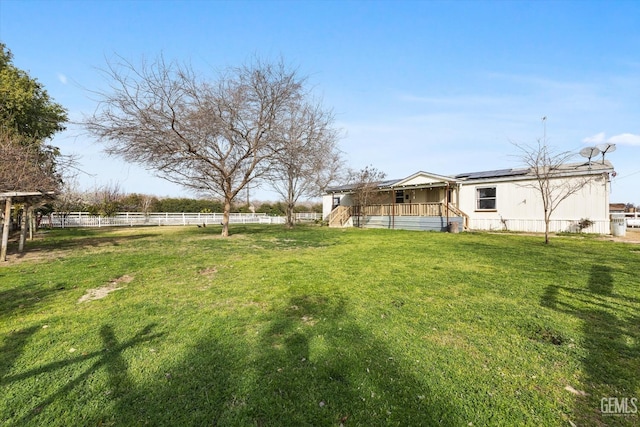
(104, 200)
(145, 203)
(68, 199)
(306, 158)
(24, 166)
(546, 165)
(365, 191)
(211, 138)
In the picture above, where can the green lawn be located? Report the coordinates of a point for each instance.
(317, 326)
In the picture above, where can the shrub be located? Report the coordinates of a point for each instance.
(584, 223)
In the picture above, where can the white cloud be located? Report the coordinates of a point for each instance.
(62, 78)
(625, 139)
(622, 139)
(595, 139)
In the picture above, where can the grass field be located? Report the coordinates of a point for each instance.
(317, 326)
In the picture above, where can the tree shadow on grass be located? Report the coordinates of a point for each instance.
(24, 297)
(110, 357)
(311, 365)
(40, 248)
(88, 241)
(611, 339)
(318, 367)
(196, 391)
(12, 348)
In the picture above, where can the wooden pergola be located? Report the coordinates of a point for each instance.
(30, 199)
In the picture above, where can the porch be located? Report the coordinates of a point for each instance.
(422, 201)
(423, 216)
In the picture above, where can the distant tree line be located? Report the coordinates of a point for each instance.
(109, 200)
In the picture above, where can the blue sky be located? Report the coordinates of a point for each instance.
(443, 87)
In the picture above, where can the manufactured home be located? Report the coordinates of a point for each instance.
(503, 199)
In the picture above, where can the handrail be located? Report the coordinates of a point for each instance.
(339, 216)
(458, 212)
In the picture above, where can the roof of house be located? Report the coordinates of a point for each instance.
(568, 169)
(617, 207)
(348, 187)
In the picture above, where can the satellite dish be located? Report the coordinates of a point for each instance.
(606, 148)
(589, 152)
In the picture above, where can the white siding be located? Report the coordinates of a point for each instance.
(327, 204)
(521, 207)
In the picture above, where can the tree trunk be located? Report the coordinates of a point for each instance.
(225, 217)
(547, 219)
(32, 222)
(290, 201)
(290, 215)
(5, 229)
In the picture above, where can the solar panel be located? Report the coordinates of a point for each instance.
(349, 187)
(492, 174)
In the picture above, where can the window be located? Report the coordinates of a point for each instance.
(486, 198)
(399, 196)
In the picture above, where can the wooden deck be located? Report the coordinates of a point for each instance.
(341, 214)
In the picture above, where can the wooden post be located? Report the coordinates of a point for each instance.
(446, 200)
(32, 221)
(5, 229)
(23, 227)
(393, 209)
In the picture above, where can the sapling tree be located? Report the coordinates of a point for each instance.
(365, 190)
(545, 164)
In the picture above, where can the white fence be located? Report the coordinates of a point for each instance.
(83, 219)
(537, 226)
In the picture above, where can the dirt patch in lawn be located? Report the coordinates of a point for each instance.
(631, 236)
(209, 271)
(99, 293)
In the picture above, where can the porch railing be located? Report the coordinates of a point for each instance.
(406, 209)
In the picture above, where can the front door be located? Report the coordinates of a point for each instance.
(336, 202)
